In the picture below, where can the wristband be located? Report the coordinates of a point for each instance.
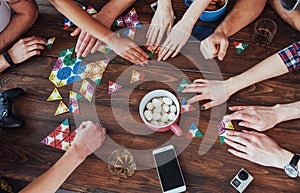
(8, 59)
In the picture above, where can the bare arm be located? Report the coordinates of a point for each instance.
(26, 13)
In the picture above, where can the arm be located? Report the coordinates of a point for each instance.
(182, 30)
(26, 13)
(243, 13)
(87, 140)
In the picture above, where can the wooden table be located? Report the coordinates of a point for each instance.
(23, 157)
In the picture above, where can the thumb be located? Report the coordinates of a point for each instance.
(76, 32)
(223, 49)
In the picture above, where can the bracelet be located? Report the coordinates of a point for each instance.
(8, 59)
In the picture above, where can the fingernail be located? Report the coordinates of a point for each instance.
(241, 124)
(202, 108)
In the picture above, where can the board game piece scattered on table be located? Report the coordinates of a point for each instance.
(87, 90)
(130, 32)
(74, 102)
(50, 42)
(136, 76)
(182, 85)
(66, 69)
(54, 96)
(128, 20)
(91, 10)
(194, 132)
(95, 70)
(67, 23)
(104, 48)
(240, 47)
(223, 126)
(186, 107)
(62, 108)
(113, 87)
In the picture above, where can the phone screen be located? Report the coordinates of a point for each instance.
(170, 173)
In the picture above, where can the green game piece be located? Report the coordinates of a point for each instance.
(198, 133)
(182, 85)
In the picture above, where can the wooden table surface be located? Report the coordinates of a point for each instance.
(23, 157)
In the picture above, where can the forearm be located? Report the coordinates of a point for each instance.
(194, 11)
(271, 67)
(285, 112)
(3, 63)
(82, 19)
(243, 13)
(52, 179)
(26, 13)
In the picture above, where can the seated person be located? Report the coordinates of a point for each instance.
(97, 28)
(216, 44)
(89, 138)
(163, 20)
(14, 24)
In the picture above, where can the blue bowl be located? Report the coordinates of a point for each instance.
(209, 16)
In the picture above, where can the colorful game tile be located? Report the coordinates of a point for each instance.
(62, 108)
(130, 33)
(74, 102)
(87, 90)
(194, 132)
(240, 47)
(182, 85)
(223, 126)
(95, 70)
(186, 108)
(54, 96)
(136, 76)
(64, 126)
(184, 101)
(50, 42)
(67, 23)
(128, 20)
(91, 10)
(66, 69)
(119, 22)
(113, 87)
(104, 48)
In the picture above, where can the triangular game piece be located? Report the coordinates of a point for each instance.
(186, 107)
(131, 19)
(74, 103)
(95, 70)
(182, 85)
(194, 132)
(136, 76)
(240, 47)
(223, 126)
(50, 42)
(64, 127)
(55, 95)
(130, 33)
(119, 22)
(113, 87)
(87, 90)
(67, 23)
(91, 10)
(184, 101)
(62, 108)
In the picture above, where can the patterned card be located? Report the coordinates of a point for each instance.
(62, 108)
(50, 43)
(113, 87)
(91, 10)
(182, 85)
(186, 107)
(136, 76)
(130, 33)
(55, 95)
(87, 90)
(95, 70)
(194, 132)
(67, 23)
(128, 20)
(240, 47)
(74, 102)
(223, 126)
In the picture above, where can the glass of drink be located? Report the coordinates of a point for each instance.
(121, 163)
(264, 31)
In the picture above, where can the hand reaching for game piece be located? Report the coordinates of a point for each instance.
(177, 38)
(259, 118)
(25, 48)
(89, 138)
(258, 148)
(214, 90)
(162, 20)
(215, 46)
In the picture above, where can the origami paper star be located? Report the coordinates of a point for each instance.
(62, 108)
(240, 47)
(74, 102)
(91, 10)
(182, 85)
(223, 126)
(66, 69)
(130, 33)
(87, 90)
(95, 70)
(113, 87)
(128, 20)
(136, 76)
(194, 132)
(67, 23)
(55, 95)
(50, 42)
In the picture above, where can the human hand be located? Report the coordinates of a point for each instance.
(89, 137)
(177, 38)
(87, 43)
(25, 48)
(215, 45)
(162, 20)
(214, 90)
(259, 118)
(258, 148)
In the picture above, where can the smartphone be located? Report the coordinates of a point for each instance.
(199, 33)
(168, 170)
(154, 7)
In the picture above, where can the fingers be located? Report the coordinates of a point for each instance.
(235, 144)
(79, 41)
(196, 99)
(96, 46)
(237, 108)
(86, 50)
(160, 35)
(152, 34)
(238, 154)
(223, 49)
(76, 32)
